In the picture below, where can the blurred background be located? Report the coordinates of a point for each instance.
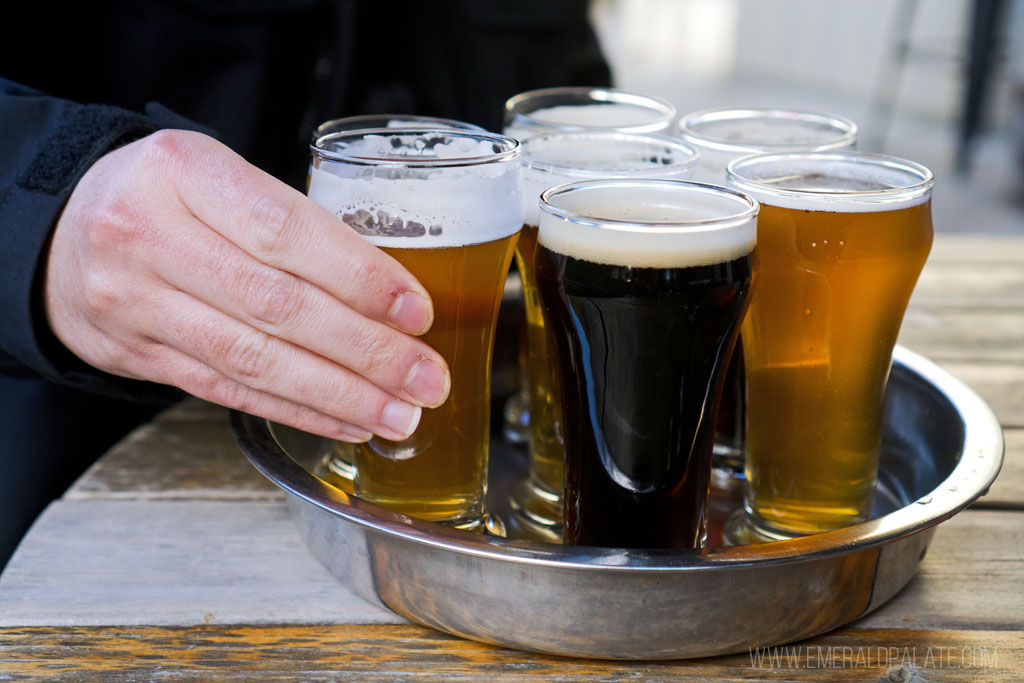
(940, 82)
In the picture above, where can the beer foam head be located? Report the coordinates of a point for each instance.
(553, 159)
(648, 223)
(585, 109)
(841, 182)
(722, 135)
(420, 188)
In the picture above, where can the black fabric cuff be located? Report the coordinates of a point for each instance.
(32, 206)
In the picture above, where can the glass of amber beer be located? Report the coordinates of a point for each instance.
(842, 239)
(551, 159)
(447, 205)
(721, 135)
(338, 465)
(644, 284)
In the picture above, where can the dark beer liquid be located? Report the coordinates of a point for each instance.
(642, 354)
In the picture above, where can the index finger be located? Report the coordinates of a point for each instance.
(283, 228)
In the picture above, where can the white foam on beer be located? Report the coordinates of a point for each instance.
(839, 186)
(649, 227)
(550, 161)
(469, 205)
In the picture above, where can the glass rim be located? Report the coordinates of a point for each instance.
(432, 121)
(846, 129)
(921, 188)
(532, 164)
(603, 95)
(662, 227)
(511, 151)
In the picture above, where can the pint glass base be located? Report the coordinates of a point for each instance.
(537, 513)
(516, 418)
(488, 524)
(741, 529)
(727, 478)
(336, 467)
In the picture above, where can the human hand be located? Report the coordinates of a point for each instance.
(176, 261)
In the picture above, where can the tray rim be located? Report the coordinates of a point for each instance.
(978, 466)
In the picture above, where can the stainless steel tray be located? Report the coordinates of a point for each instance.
(942, 449)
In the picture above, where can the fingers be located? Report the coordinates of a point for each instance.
(288, 308)
(282, 228)
(208, 384)
(261, 367)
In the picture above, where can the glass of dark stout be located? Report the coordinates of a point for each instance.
(645, 283)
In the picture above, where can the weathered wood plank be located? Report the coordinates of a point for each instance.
(1008, 490)
(945, 284)
(965, 335)
(971, 578)
(176, 457)
(372, 653)
(1001, 385)
(188, 563)
(157, 563)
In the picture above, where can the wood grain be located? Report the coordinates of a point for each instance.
(965, 334)
(188, 563)
(969, 579)
(1007, 493)
(345, 652)
(1001, 385)
(187, 453)
(992, 286)
(171, 562)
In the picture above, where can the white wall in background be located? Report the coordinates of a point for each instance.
(683, 48)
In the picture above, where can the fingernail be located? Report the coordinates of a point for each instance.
(401, 417)
(352, 434)
(428, 382)
(411, 312)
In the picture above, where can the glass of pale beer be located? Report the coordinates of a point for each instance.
(644, 284)
(722, 135)
(338, 465)
(842, 238)
(365, 121)
(551, 159)
(446, 204)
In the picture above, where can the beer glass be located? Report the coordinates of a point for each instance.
(447, 205)
(842, 237)
(364, 121)
(582, 108)
(338, 464)
(644, 284)
(722, 135)
(551, 159)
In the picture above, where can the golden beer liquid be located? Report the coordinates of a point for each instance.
(444, 476)
(545, 437)
(817, 342)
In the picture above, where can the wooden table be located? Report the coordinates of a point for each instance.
(173, 559)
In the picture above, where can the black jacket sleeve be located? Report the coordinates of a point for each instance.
(46, 145)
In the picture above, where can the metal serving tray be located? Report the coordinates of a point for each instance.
(942, 449)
